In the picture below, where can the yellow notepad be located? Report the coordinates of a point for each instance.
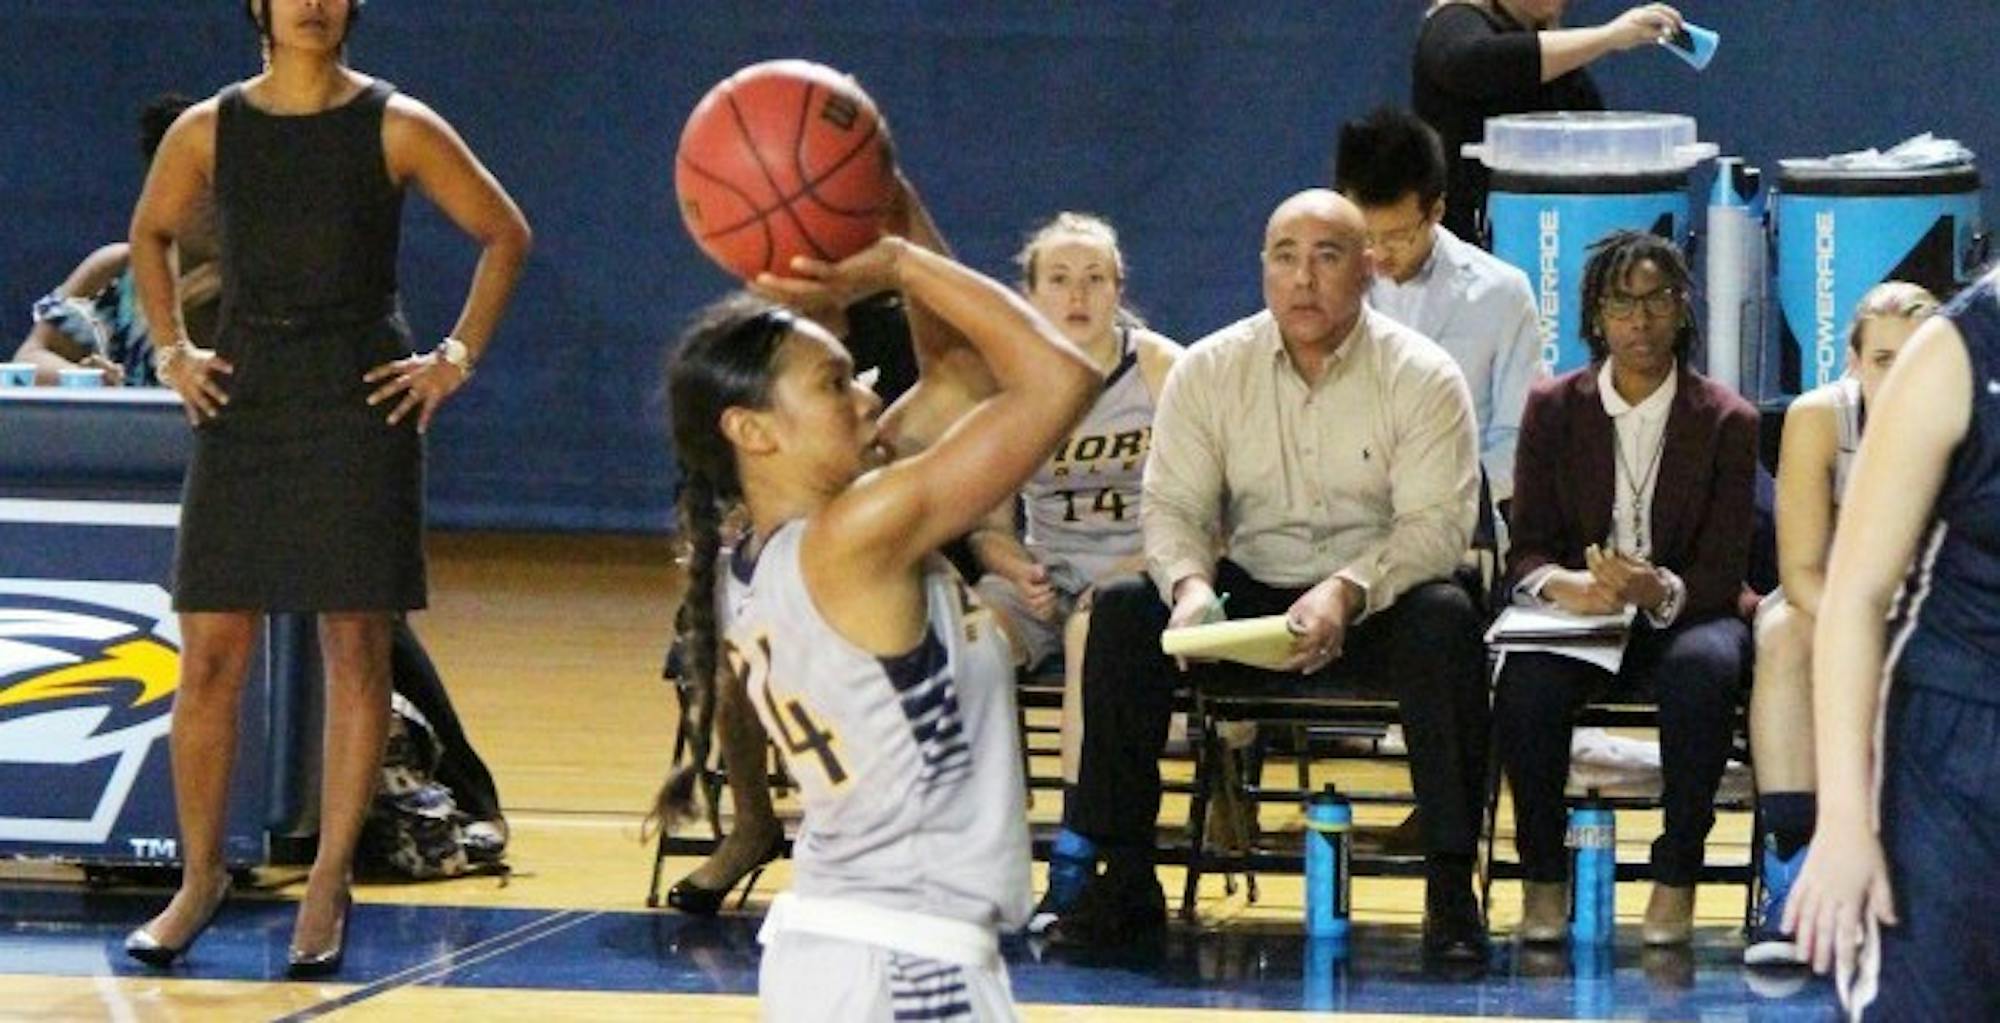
(1259, 642)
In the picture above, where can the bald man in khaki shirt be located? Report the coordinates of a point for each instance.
(1335, 454)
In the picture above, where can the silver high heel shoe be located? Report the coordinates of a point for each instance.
(141, 945)
(303, 965)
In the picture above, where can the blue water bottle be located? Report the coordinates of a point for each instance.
(1329, 826)
(1593, 840)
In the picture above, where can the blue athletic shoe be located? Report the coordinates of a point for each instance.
(1770, 944)
(1072, 863)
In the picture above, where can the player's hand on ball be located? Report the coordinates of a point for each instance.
(875, 268)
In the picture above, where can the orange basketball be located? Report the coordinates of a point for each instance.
(781, 159)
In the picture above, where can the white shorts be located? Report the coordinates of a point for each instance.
(830, 959)
(809, 977)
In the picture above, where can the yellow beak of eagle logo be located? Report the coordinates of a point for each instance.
(151, 668)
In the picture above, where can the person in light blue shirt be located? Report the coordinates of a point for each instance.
(1475, 306)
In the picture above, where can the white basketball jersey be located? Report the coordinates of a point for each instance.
(1083, 503)
(909, 767)
(1847, 429)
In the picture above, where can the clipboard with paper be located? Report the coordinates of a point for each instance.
(1593, 639)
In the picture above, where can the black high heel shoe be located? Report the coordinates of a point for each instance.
(303, 965)
(141, 945)
(700, 900)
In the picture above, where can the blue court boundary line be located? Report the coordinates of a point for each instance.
(458, 959)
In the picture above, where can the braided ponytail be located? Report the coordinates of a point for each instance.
(701, 532)
(727, 359)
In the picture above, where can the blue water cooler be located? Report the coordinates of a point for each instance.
(1563, 181)
(1840, 231)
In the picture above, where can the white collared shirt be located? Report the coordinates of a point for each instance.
(1481, 310)
(1640, 444)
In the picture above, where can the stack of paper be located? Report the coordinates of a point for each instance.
(1596, 639)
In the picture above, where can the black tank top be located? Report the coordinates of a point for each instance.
(308, 216)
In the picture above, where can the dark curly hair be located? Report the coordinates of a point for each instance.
(1611, 261)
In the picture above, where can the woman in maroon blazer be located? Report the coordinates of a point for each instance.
(1634, 486)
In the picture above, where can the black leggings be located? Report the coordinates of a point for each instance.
(459, 767)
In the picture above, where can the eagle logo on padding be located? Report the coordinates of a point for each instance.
(87, 672)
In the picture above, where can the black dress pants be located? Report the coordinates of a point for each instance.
(1694, 672)
(1425, 651)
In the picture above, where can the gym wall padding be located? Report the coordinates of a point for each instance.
(1182, 121)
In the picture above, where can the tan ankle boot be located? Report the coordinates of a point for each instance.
(1669, 915)
(1544, 911)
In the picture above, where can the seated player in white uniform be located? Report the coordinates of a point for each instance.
(1082, 506)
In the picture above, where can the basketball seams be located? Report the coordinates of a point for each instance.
(809, 183)
(750, 143)
(805, 192)
(718, 179)
(745, 196)
(761, 214)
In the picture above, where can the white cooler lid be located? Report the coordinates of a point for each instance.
(1592, 143)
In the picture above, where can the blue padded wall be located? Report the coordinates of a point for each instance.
(1183, 121)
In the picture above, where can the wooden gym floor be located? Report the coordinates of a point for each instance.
(551, 647)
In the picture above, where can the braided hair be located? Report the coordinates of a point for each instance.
(727, 359)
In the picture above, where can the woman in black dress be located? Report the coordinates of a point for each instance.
(305, 492)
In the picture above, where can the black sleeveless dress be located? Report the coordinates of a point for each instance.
(301, 497)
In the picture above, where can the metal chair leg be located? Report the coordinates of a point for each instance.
(1302, 754)
(1027, 764)
(1490, 832)
(1754, 891)
(1205, 769)
(659, 868)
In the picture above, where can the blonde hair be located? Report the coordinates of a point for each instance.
(1089, 226)
(1898, 300)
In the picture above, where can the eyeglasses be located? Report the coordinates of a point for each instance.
(1661, 303)
(1401, 238)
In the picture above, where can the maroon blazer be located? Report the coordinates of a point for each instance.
(1703, 503)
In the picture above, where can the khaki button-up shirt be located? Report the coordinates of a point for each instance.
(1371, 474)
